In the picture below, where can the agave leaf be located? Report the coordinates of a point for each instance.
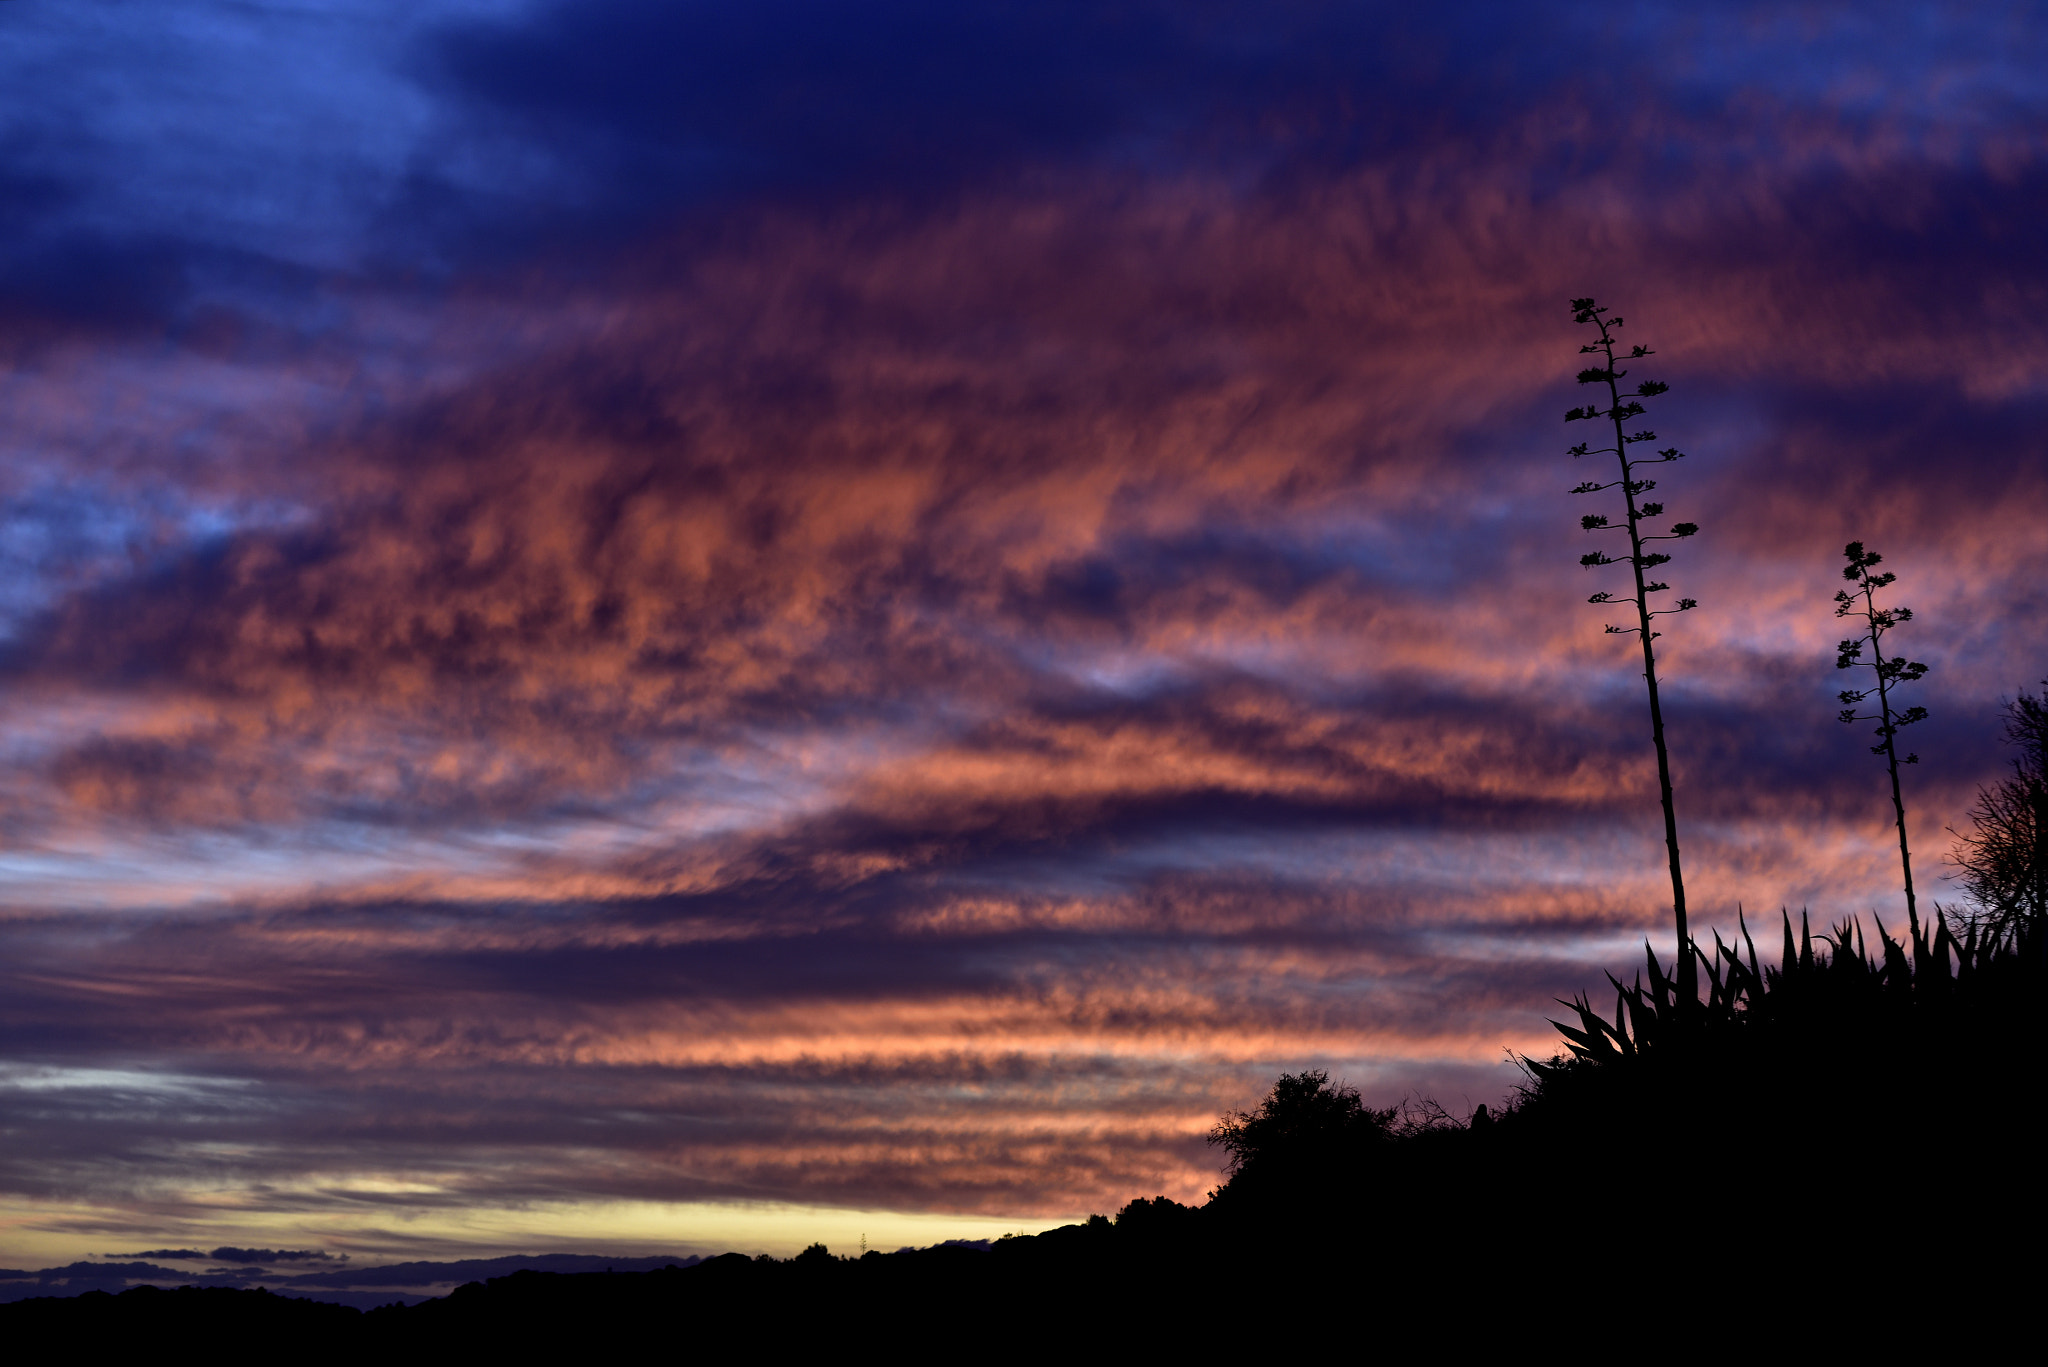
(1643, 1011)
(1603, 1034)
(1938, 965)
(1660, 986)
(1743, 982)
(1590, 1042)
(1898, 970)
(1579, 1040)
(1756, 975)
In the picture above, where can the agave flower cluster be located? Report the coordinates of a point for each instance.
(1891, 673)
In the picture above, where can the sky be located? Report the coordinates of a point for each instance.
(646, 628)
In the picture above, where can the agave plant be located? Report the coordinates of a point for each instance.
(1840, 986)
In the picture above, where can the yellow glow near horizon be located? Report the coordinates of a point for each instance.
(49, 1234)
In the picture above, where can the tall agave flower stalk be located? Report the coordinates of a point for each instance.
(1640, 560)
(1892, 674)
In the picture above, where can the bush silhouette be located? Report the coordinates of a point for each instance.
(1306, 1140)
(2003, 861)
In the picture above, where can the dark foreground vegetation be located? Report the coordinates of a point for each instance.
(1817, 1144)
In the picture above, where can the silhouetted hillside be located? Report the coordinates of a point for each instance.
(360, 1287)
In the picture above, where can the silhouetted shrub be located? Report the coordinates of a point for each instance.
(1158, 1218)
(2004, 859)
(1305, 1142)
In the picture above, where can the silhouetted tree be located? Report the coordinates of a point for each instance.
(1617, 412)
(1892, 674)
(1158, 1218)
(1305, 1139)
(2004, 859)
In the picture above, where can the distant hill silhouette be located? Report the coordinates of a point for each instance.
(360, 1287)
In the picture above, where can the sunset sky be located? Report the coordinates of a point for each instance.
(646, 627)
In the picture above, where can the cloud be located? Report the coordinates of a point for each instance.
(264, 1256)
(274, 1255)
(917, 686)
